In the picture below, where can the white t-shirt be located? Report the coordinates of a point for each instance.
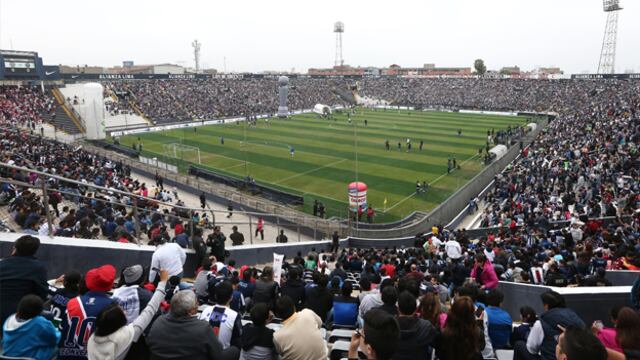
(169, 256)
(222, 320)
(453, 249)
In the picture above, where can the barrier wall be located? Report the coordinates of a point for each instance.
(590, 303)
(63, 254)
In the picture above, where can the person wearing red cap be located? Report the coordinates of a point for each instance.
(82, 312)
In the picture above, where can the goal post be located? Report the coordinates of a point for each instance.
(182, 152)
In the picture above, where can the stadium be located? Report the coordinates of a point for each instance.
(174, 211)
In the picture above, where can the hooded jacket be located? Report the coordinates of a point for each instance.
(116, 345)
(488, 277)
(295, 290)
(416, 338)
(34, 338)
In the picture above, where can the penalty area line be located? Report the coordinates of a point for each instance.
(430, 184)
(310, 171)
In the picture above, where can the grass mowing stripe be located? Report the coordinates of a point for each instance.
(320, 143)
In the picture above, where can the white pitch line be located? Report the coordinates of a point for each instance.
(401, 201)
(233, 166)
(430, 184)
(310, 171)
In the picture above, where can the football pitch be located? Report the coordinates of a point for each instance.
(324, 161)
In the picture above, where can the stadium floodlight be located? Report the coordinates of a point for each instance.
(608, 54)
(338, 28)
(196, 54)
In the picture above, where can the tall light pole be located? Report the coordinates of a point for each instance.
(338, 29)
(607, 62)
(196, 54)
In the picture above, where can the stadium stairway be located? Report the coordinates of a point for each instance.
(139, 112)
(64, 118)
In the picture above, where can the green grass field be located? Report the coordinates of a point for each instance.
(325, 152)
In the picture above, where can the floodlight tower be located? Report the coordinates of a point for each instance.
(608, 54)
(196, 54)
(338, 28)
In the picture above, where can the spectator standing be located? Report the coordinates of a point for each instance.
(453, 249)
(282, 238)
(59, 297)
(216, 241)
(370, 214)
(169, 256)
(335, 243)
(484, 274)
(203, 200)
(260, 228)
(21, 274)
(236, 237)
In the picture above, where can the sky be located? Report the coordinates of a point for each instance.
(281, 35)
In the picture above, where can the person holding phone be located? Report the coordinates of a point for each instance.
(378, 339)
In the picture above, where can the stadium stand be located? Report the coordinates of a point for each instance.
(583, 166)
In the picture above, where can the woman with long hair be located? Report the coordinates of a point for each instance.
(462, 337)
(113, 338)
(431, 310)
(628, 331)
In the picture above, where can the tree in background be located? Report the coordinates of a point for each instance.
(480, 67)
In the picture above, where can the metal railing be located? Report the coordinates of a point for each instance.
(136, 208)
(230, 194)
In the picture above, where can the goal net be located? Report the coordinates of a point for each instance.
(182, 152)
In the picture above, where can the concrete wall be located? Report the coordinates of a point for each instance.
(590, 303)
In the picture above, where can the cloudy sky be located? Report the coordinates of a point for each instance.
(256, 35)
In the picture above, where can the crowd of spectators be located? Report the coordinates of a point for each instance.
(191, 100)
(405, 304)
(439, 296)
(78, 210)
(25, 105)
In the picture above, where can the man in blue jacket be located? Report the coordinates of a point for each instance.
(21, 274)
